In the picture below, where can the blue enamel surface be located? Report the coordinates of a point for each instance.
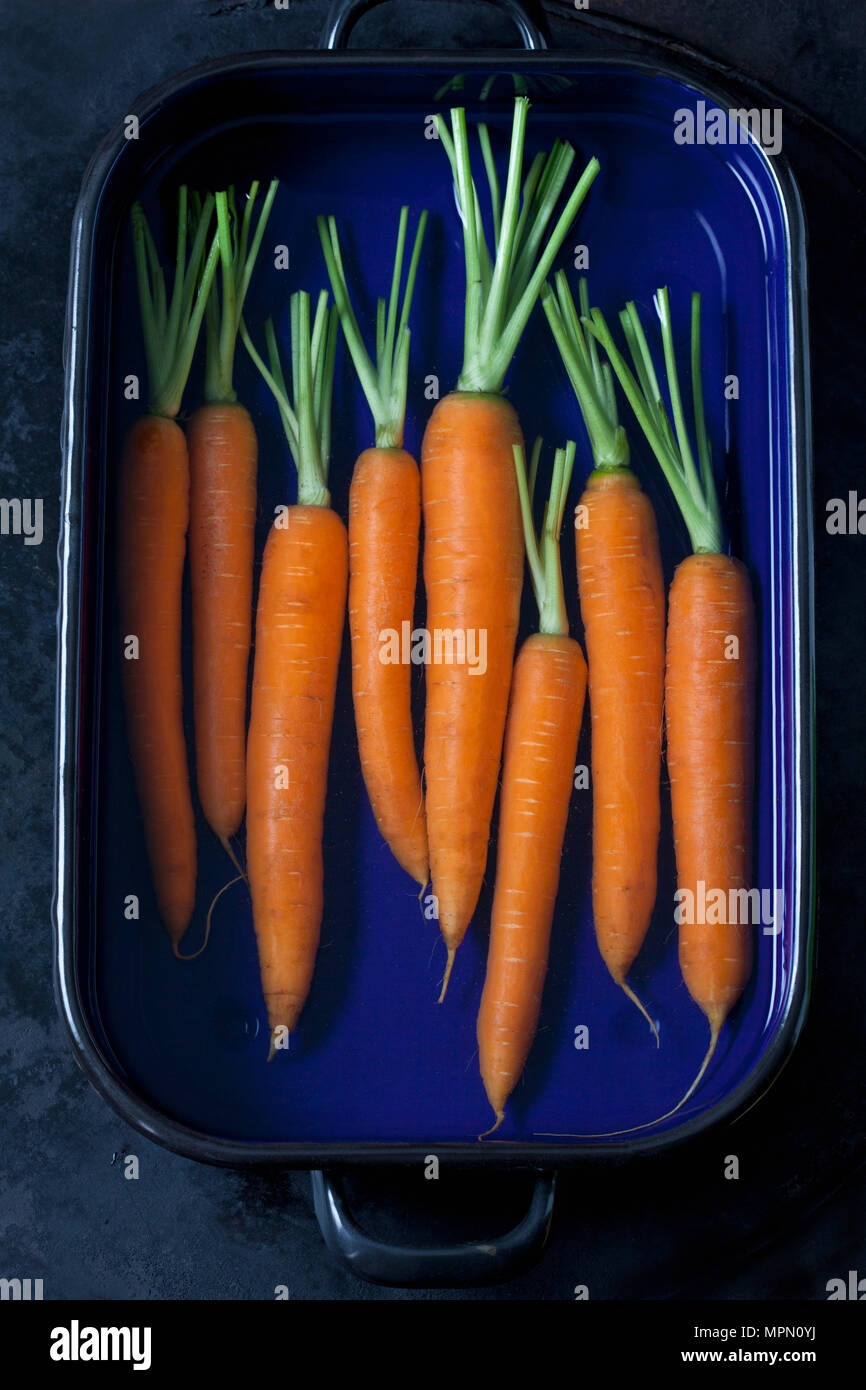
(375, 1057)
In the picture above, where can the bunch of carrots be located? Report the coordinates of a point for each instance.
(516, 724)
(201, 486)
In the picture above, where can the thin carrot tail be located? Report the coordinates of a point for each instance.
(715, 1030)
(214, 900)
(630, 994)
(176, 938)
(500, 1116)
(452, 951)
(227, 846)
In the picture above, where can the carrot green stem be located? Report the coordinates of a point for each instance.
(591, 380)
(492, 179)
(552, 175)
(542, 551)
(695, 491)
(306, 413)
(171, 330)
(501, 289)
(226, 305)
(384, 383)
(485, 266)
(704, 451)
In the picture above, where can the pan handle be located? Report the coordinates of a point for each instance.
(528, 15)
(432, 1267)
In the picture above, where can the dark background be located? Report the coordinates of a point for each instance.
(656, 1228)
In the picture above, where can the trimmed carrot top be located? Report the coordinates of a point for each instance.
(542, 550)
(591, 379)
(501, 289)
(384, 384)
(171, 328)
(237, 259)
(306, 416)
(693, 485)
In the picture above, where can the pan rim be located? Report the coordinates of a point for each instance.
(156, 1124)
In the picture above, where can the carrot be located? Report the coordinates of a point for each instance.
(710, 759)
(622, 604)
(473, 547)
(384, 522)
(709, 681)
(544, 718)
(153, 513)
(299, 628)
(223, 458)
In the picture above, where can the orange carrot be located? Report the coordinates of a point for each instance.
(472, 532)
(473, 565)
(384, 522)
(622, 604)
(223, 453)
(709, 701)
(544, 718)
(223, 457)
(154, 503)
(299, 627)
(153, 514)
(709, 684)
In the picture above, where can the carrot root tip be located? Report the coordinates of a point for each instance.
(715, 1030)
(214, 900)
(227, 846)
(448, 967)
(500, 1116)
(630, 994)
(178, 953)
